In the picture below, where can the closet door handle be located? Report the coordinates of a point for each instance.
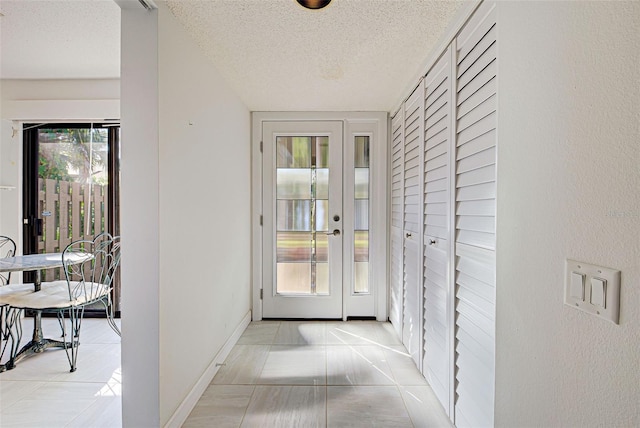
(408, 235)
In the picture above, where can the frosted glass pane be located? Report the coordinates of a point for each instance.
(293, 184)
(361, 159)
(293, 152)
(322, 247)
(361, 207)
(361, 277)
(322, 278)
(293, 278)
(293, 247)
(322, 184)
(322, 152)
(322, 215)
(361, 246)
(362, 183)
(294, 215)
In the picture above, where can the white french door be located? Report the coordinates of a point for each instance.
(303, 219)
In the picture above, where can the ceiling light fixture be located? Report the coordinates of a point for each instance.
(314, 4)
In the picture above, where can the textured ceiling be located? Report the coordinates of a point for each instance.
(352, 55)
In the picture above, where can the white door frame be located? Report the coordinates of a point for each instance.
(355, 123)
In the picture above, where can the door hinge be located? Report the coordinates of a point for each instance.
(261, 290)
(260, 220)
(260, 146)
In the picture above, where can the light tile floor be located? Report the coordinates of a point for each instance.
(280, 374)
(318, 374)
(40, 391)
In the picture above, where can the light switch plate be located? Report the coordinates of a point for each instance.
(611, 309)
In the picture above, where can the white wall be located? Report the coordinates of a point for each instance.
(139, 219)
(205, 197)
(568, 186)
(185, 215)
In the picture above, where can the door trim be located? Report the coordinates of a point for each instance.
(378, 123)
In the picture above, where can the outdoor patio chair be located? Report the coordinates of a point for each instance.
(7, 249)
(86, 283)
(100, 240)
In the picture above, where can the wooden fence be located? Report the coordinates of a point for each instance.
(69, 211)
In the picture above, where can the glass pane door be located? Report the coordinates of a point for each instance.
(70, 192)
(303, 215)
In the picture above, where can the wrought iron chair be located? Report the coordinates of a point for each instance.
(100, 240)
(106, 241)
(87, 282)
(7, 249)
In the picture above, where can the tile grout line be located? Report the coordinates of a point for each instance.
(398, 386)
(404, 403)
(255, 385)
(326, 379)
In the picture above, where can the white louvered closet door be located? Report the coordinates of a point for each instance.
(413, 159)
(397, 219)
(475, 219)
(437, 227)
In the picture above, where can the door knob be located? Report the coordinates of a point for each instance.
(335, 232)
(408, 235)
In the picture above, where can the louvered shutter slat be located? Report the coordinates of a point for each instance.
(477, 144)
(477, 129)
(436, 209)
(438, 148)
(478, 63)
(487, 90)
(436, 160)
(477, 161)
(477, 192)
(475, 219)
(397, 220)
(477, 176)
(484, 108)
(413, 149)
(481, 23)
(486, 42)
(437, 197)
(438, 136)
(477, 82)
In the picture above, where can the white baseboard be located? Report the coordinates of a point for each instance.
(184, 409)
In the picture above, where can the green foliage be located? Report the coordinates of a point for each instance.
(53, 168)
(73, 154)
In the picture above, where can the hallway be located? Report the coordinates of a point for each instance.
(318, 374)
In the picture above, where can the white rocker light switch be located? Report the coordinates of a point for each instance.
(593, 289)
(598, 292)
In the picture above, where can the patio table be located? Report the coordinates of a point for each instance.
(35, 262)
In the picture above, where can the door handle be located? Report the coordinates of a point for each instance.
(336, 232)
(408, 235)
